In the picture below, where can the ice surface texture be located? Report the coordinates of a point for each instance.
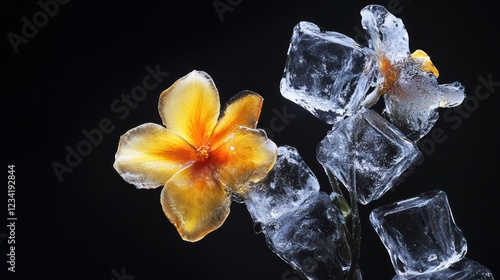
(367, 154)
(465, 269)
(300, 223)
(329, 74)
(420, 233)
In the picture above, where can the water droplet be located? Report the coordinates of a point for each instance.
(258, 227)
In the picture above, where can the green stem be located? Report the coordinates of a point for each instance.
(339, 200)
(351, 249)
(356, 236)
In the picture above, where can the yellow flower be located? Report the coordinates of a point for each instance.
(199, 157)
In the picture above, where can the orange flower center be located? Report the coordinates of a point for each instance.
(203, 152)
(389, 73)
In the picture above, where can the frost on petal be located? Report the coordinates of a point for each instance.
(413, 101)
(387, 33)
(451, 95)
(326, 72)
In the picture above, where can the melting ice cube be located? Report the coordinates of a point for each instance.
(367, 154)
(326, 72)
(300, 223)
(420, 233)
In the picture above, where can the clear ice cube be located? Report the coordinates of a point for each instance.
(464, 269)
(326, 72)
(420, 233)
(367, 154)
(287, 186)
(301, 224)
(310, 239)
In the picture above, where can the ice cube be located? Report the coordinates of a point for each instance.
(287, 186)
(310, 239)
(367, 154)
(420, 233)
(464, 269)
(326, 72)
(301, 224)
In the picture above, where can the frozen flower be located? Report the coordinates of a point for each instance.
(333, 77)
(199, 157)
(408, 81)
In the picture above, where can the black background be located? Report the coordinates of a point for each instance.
(93, 224)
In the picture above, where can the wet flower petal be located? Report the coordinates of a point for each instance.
(426, 62)
(452, 95)
(194, 202)
(242, 110)
(150, 154)
(247, 155)
(190, 107)
(199, 158)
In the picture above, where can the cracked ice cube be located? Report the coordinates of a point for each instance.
(326, 72)
(420, 233)
(367, 154)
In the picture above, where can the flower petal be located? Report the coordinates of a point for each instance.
(190, 107)
(427, 64)
(194, 202)
(242, 110)
(387, 33)
(149, 155)
(247, 155)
